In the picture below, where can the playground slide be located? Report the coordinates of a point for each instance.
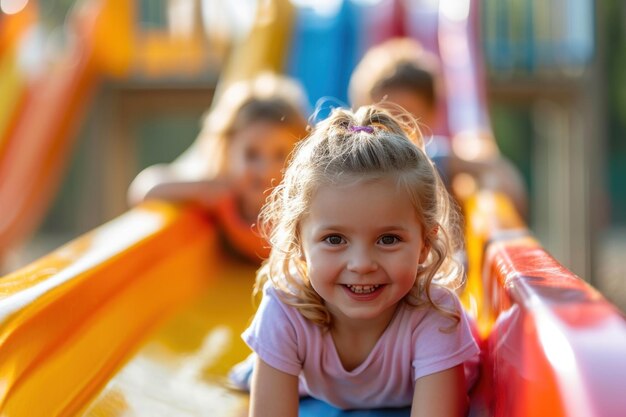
(43, 104)
(12, 79)
(73, 318)
(264, 47)
(141, 317)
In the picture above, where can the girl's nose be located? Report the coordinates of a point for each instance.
(361, 261)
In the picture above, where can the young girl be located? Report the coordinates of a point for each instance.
(242, 148)
(358, 308)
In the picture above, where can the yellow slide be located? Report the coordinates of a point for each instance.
(71, 319)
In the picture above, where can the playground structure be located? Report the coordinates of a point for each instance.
(132, 318)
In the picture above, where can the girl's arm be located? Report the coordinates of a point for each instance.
(161, 182)
(442, 394)
(273, 392)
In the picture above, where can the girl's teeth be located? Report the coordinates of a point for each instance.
(363, 289)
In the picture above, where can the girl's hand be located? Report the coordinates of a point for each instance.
(146, 180)
(163, 182)
(273, 393)
(442, 394)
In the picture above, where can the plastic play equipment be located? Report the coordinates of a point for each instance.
(47, 90)
(141, 316)
(46, 101)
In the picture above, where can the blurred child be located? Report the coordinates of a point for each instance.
(240, 151)
(358, 307)
(400, 71)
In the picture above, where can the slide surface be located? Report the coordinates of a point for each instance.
(181, 370)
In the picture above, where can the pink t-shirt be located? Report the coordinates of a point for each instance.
(412, 346)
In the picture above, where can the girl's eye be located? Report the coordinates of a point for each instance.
(251, 155)
(334, 240)
(389, 239)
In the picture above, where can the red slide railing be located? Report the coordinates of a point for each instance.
(554, 345)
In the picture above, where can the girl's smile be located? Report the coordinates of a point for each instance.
(360, 241)
(363, 292)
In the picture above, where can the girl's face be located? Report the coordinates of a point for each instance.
(362, 243)
(256, 156)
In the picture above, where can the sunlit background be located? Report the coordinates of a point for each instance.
(556, 83)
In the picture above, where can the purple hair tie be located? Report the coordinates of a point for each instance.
(367, 129)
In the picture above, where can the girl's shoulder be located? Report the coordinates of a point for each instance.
(442, 312)
(275, 298)
(275, 313)
(443, 296)
(270, 290)
(439, 295)
(272, 294)
(280, 287)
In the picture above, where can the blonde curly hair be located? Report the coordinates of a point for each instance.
(335, 152)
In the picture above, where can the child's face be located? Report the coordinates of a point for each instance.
(362, 243)
(256, 156)
(412, 102)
